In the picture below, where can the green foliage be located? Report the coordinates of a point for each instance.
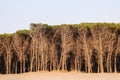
(22, 32)
(117, 26)
(6, 35)
(81, 26)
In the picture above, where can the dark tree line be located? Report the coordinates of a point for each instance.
(86, 47)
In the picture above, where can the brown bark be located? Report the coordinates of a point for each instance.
(7, 44)
(116, 53)
(20, 45)
(67, 45)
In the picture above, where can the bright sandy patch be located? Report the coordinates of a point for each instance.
(55, 75)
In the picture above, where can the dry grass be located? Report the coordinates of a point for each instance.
(55, 75)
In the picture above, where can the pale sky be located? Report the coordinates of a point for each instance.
(18, 14)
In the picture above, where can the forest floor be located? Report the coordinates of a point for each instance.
(55, 75)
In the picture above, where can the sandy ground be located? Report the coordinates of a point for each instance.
(61, 76)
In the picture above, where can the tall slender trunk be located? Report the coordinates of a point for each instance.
(60, 61)
(87, 55)
(46, 60)
(16, 67)
(100, 55)
(42, 61)
(76, 64)
(32, 58)
(89, 65)
(77, 57)
(38, 62)
(51, 62)
(7, 65)
(55, 62)
(109, 67)
(21, 66)
(108, 62)
(63, 63)
(36, 56)
(31, 66)
(115, 64)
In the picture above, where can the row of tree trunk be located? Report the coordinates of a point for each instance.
(66, 48)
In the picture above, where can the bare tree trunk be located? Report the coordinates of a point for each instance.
(7, 65)
(115, 60)
(16, 67)
(77, 68)
(51, 62)
(87, 54)
(36, 56)
(89, 65)
(31, 66)
(63, 63)
(109, 67)
(55, 62)
(60, 62)
(108, 63)
(42, 60)
(101, 55)
(76, 64)
(23, 64)
(31, 63)
(31, 60)
(46, 60)
(38, 62)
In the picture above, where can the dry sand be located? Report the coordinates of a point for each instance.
(55, 75)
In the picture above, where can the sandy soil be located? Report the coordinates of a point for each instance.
(61, 76)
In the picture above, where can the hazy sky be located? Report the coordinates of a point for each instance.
(18, 14)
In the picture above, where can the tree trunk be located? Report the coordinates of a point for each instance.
(109, 67)
(63, 63)
(89, 65)
(31, 65)
(51, 62)
(38, 62)
(21, 66)
(9, 65)
(54, 62)
(101, 55)
(87, 55)
(76, 64)
(108, 63)
(36, 59)
(115, 60)
(16, 67)
(46, 60)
